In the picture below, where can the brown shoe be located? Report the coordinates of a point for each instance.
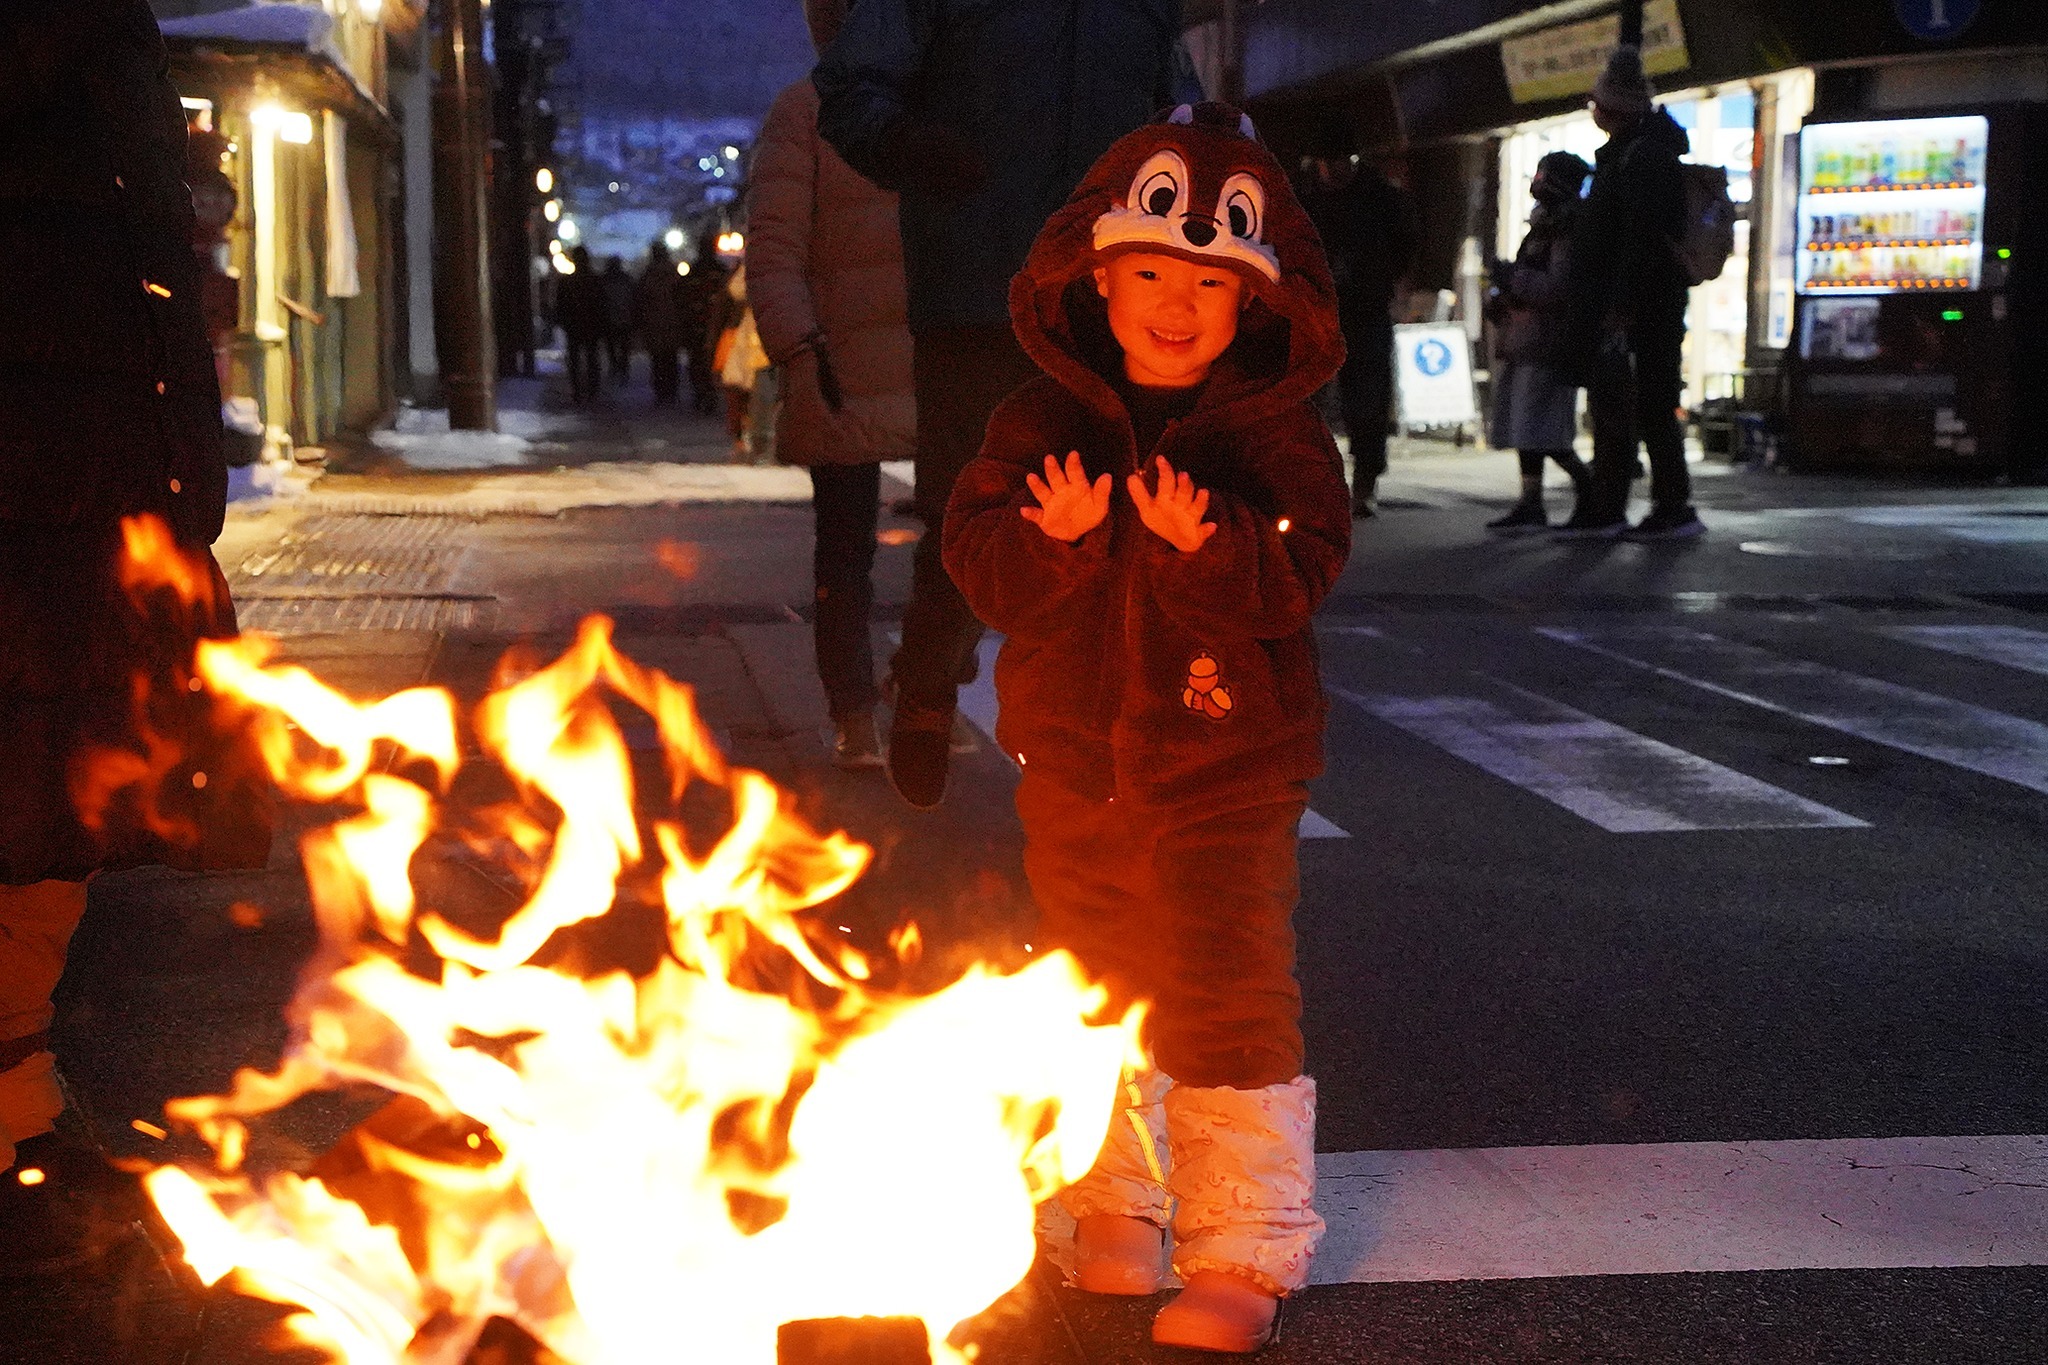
(1221, 1313)
(1115, 1254)
(919, 753)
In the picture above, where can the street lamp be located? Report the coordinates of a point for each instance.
(673, 239)
(544, 180)
(567, 230)
(552, 210)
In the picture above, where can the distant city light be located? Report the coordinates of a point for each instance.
(732, 153)
(673, 239)
(613, 187)
(566, 229)
(682, 267)
(544, 180)
(554, 246)
(563, 265)
(718, 171)
(731, 243)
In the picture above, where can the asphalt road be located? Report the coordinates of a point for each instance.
(1668, 907)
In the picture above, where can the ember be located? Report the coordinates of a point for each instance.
(669, 1161)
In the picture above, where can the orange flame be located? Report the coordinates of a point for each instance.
(666, 1163)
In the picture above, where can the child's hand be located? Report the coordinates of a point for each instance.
(1069, 507)
(1174, 514)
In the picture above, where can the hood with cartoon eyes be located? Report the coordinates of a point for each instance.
(1196, 184)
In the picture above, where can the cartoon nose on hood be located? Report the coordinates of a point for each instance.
(1195, 184)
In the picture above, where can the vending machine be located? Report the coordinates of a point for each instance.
(1917, 342)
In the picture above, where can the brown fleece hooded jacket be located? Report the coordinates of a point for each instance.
(1132, 669)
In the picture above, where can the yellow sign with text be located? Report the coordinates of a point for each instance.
(1566, 60)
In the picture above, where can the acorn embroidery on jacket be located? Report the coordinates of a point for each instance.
(1206, 693)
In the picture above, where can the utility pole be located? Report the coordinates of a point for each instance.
(1230, 37)
(462, 282)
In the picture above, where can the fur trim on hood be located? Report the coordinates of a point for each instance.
(1196, 184)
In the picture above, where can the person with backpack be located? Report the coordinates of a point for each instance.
(1627, 310)
(1535, 403)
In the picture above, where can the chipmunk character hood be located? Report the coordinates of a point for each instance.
(1196, 184)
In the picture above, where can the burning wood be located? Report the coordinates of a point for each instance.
(629, 1162)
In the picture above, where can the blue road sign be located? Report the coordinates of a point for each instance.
(1935, 20)
(1432, 357)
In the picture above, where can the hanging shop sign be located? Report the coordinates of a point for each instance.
(1566, 60)
(1433, 374)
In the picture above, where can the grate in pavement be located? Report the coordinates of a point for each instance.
(337, 573)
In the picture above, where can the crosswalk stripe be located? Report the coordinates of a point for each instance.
(1623, 782)
(978, 704)
(1958, 733)
(2011, 646)
(1672, 1208)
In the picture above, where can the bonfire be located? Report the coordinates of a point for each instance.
(663, 1153)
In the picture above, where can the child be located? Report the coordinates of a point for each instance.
(1151, 524)
(1535, 403)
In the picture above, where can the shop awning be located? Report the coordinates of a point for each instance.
(289, 46)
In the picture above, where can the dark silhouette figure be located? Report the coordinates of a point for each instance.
(697, 293)
(579, 308)
(618, 320)
(658, 316)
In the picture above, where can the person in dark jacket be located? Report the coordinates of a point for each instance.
(1628, 297)
(579, 308)
(110, 755)
(619, 288)
(1368, 231)
(982, 117)
(1535, 402)
(1152, 524)
(662, 320)
(697, 293)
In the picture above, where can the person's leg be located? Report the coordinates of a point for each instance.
(1365, 395)
(1610, 404)
(845, 504)
(960, 374)
(36, 924)
(1088, 863)
(1241, 1117)
(1658, 345)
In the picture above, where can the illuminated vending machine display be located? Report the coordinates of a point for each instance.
(1919, 307)
(1892, 206)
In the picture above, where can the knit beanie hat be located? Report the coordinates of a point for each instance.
(1624, 86)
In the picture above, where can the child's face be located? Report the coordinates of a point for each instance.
(1172, 317)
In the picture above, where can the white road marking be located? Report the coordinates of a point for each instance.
(1672, 1208)
(1975, 738)
(978, 704)
(1624, 782)
(2011, 646)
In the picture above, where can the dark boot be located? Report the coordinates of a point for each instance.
(920, 745)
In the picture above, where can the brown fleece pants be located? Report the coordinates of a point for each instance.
(1191, 909)
(36, 923)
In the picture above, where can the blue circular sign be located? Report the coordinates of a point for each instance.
(1432, 357)
(1935, 20)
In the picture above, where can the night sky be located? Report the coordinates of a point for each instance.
(688, 58)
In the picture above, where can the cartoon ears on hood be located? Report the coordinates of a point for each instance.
(1158, 211)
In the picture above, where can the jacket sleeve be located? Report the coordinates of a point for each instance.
(861, 79)
(1547, 285)
(1267, 568)
(782, 187)
(1018, 579)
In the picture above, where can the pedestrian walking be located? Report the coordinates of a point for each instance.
(1628, 297)
(983, 126)
(698, 294)
(1368, 230)
(579, 308)
(825, 274)
(659, 316)
(1151, 524)
(619, 288)
(741, 358)
(110, 756)
(1535, 400)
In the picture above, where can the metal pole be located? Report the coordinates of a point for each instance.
(462, 282)
(1231, 38)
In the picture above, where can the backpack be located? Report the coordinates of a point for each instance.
(1708, 239)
